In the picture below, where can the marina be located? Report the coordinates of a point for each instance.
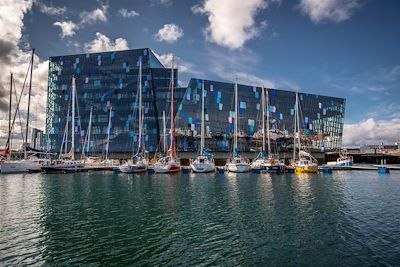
(199, 133)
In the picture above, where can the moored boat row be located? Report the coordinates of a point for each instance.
(266, 161)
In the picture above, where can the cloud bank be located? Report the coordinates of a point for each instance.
(14, 59)
(371, 131)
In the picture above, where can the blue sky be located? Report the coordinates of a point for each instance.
(344, 48)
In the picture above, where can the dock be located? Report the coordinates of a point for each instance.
(361, 167)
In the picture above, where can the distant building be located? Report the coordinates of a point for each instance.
(110, 79)
(378, 149)
(37, 139)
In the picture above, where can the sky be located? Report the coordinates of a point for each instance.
(342, 48)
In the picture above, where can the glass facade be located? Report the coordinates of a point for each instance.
(110, 79)
(321, 118)
(105, 80)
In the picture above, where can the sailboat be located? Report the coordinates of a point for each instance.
(237, 163)
(138, 162)
(266, 160)
(169, 162)
(88, 160)
(204, 161)
(107, 162)
(67, 165)
(304, 162)
(27, 164)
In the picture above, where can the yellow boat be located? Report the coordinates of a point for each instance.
(306, 163)
(306, 169)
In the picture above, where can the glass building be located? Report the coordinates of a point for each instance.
(110, 80)
(104, 81)
(321, 118)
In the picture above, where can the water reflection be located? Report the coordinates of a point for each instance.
(234, 219)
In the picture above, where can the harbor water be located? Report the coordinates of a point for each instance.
(343, 218)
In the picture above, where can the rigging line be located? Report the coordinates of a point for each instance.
(79, 117)
(9, 113)
(134, 115)
(18, 100)
(29, 104)
(17, 111)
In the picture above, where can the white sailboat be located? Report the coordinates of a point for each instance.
(304, 162)
(89, 161)
(204, 162)
(27, 164)
(68, 165)
(266, 160)
(107, 162)
(237, 163)
(138, 162)
(169, 162)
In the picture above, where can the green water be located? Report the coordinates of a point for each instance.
(102, 219)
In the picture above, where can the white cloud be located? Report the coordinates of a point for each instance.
(231, 23)
(169, 33)
(328, 10)
(51, 10)
(102, 43)
(232, 65)
(166, 3)
(369, 89)
(183, 66)
(371, 131)
(390, 74)
(99, 14)
(67, 28)
(127, 14)
(14, 59)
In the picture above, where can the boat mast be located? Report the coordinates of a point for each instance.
(9, 120)
(172, 112)
(108, 133)
(263, 118)
(202, 142)
(268, 133)
(66, 132)
(73, 119)
(64, 141)
(298, 122)
(29, 104)
(164, 133)
(236, 122)
(89, 130)
(140, 107)
(295, 129)
(87, 139)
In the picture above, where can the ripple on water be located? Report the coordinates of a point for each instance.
(347, 218)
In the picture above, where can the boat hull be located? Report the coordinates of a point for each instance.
(202, 167)
(306, 169)
(133, 168)
(64, 170)
(66, 167)
(340, 164)
(238, 167)
(266, 165)
(20, 166)
(168, 168)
